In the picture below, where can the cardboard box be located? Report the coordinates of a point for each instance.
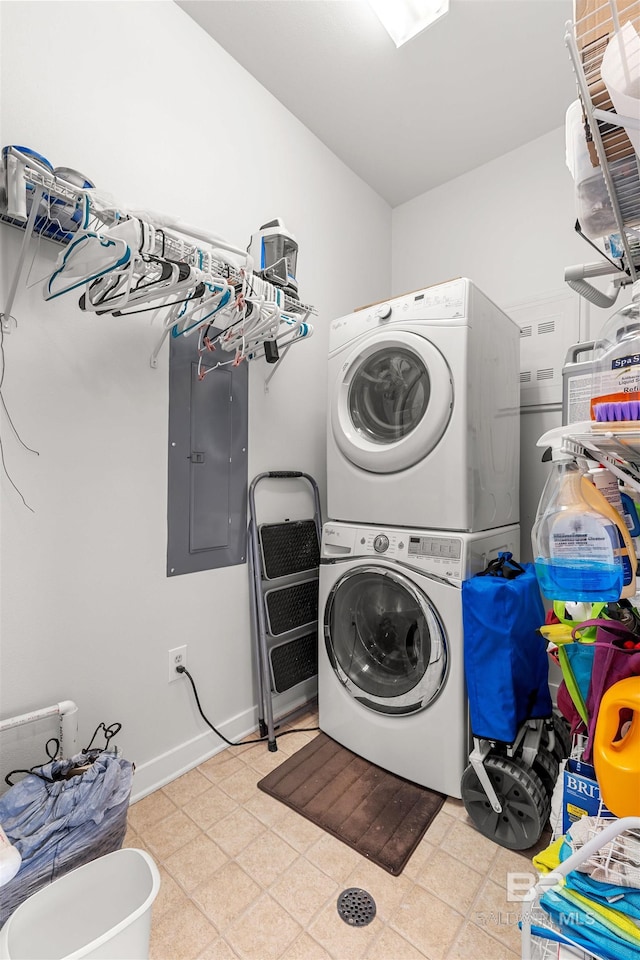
(581, 794)
(593, 19)
(594, 25)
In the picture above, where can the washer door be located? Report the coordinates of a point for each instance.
(385, 641)
(392, 402)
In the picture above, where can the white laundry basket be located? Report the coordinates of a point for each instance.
(100, 910)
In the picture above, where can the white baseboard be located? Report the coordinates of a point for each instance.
(168, 766)
(174, 763)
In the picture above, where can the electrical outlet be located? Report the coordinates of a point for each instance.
(177, 658)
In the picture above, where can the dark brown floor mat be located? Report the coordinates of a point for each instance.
(380, 815)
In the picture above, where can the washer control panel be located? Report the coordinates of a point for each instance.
(445, 547)
(381, 543)
(430, 553)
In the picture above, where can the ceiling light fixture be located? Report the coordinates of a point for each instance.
(405, 19)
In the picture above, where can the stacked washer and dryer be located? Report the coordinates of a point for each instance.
(422, 489)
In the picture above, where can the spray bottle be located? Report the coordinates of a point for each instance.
(576, 547)
(602, 492)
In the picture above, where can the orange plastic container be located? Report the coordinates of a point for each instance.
(617, 762)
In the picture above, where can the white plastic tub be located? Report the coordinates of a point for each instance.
(592, 202)
(100, 910)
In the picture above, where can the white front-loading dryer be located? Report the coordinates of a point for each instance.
(390, 652)
(424, 427)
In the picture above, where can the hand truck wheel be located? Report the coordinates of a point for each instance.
(547, 768)
(524, 800)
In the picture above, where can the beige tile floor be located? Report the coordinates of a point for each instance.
(245, 878)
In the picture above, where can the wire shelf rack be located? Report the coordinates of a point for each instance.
(588, 39)
(207, 279)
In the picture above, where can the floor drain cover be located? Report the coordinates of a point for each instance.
(356, 907)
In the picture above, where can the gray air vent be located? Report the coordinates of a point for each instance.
(525, 376)
(546, 374)
(548, 327)
(526, 331)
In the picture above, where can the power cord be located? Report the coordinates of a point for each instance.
(264, 739)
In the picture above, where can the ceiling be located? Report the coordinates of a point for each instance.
(485, 79)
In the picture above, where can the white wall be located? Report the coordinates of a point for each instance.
(141, 100)
(509, 225)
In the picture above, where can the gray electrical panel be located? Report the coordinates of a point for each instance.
(207, 476)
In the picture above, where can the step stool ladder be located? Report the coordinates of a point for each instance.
(284, 562)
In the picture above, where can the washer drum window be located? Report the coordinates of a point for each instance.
(385, 641)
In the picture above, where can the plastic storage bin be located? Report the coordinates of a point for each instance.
(100, 910)
(593, 205)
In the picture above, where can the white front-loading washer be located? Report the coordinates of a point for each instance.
(424, 412)
(390, 652)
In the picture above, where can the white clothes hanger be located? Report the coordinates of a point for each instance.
(108, 294)
(176, 316)
(153, 281)
(140, 235)
(262, 322)
(86, 258)
(185, 321)
(185, 284)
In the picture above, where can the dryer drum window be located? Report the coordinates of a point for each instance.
(385, 641)
(389, 394)
(391, 401)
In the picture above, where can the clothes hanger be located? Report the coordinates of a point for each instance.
(153, 279)
(176, 313)
(261, 322)
(184, 323)
(86, 258)
(108, 294)
(186, 283)
(147, 269)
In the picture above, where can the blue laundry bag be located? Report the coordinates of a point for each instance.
(58, 824)
(505, 659)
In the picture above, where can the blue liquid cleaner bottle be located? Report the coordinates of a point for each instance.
(576, 548)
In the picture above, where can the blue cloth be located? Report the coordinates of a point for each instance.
(585, 928)
(34, 812)
(577, 659)
(623, 899)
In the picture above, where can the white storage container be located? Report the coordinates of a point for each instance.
(593, 206)
(101, 910)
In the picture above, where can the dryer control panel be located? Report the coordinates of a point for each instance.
(430, 553)
(444, 303)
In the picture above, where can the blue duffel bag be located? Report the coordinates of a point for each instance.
(505, 659)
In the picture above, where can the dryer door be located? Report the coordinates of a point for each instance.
(392, 402)
(385, 641)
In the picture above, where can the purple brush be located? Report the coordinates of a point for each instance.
(617, 411)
